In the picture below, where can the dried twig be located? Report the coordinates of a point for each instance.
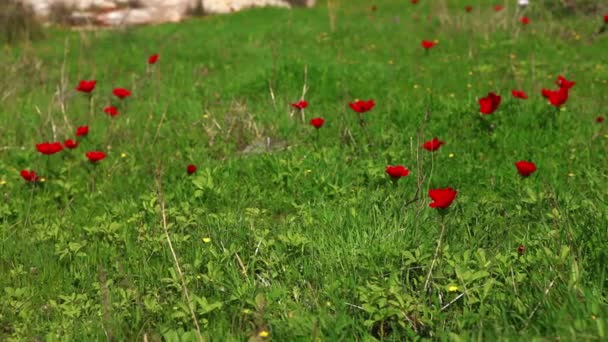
(163, 212)
(428, 277)
(541, 301)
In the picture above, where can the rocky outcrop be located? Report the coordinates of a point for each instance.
(137, 12)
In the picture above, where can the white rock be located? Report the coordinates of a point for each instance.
(152, 11)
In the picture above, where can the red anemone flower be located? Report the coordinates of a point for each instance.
(498, 8)
(95, 156)
(191, 169)
(599, 119)
(556, 97)
(300, 105)
(397, 171)
(525, 168)
(433, 145)
(469, 9)
(121, 93)
(562, 82)
(111, 111)
(360, 106)
(489, 104)
(519, 94)
(49, 148)
(525, 20)
(153, 59)
(29, 176)
(317, 122)
(71, 144)
(82, 131)
(442, 198)
(86, 86)
(428, 44)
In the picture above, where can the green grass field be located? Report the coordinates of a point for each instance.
(289, 233)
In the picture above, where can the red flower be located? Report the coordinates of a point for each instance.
(49, 148)
(153, 59)
(433, 145)
(564, 83)
(317, 122)
(71, 144)
(525, 20)
(111, 111)
(468, 9)
(521, 249)
(599, 119)
(95, 156)
(519, 94)
(489, 104)
(606, 19)
(498, 8)
(556, 97)
(442, 198)
(397, 172)
(414, 1)
(362, 106)
(191, 169)
(82, 131)
(86, 86)
(428, 44)
(29, 176)
(121, 93)
(300, 105)
(525, 168)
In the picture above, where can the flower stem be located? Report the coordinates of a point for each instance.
(428, 277)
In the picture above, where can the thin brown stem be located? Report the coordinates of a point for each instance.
(182, 279)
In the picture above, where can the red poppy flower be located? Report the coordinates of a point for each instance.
(86, 86)
(521, 249)
(121, 93)
(397, 172)
(29, 176)
(428, 44)
(82, 131)
(317, 122)
(414, 1)
(606, 19)
(191, 169)
(525, 168)
(300, 105)
(153, 59)
(562, 82)
(489, 104)
(498, 8)
(362, 106)
(95, 156)
(49, 148)
(556, 97)
(525, 20)
(442, 198)
(468, 9)
(71, 144)
(433, 145)
(599, 119)
(519, 94)
(111, 111)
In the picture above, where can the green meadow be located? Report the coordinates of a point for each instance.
(286, 232)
